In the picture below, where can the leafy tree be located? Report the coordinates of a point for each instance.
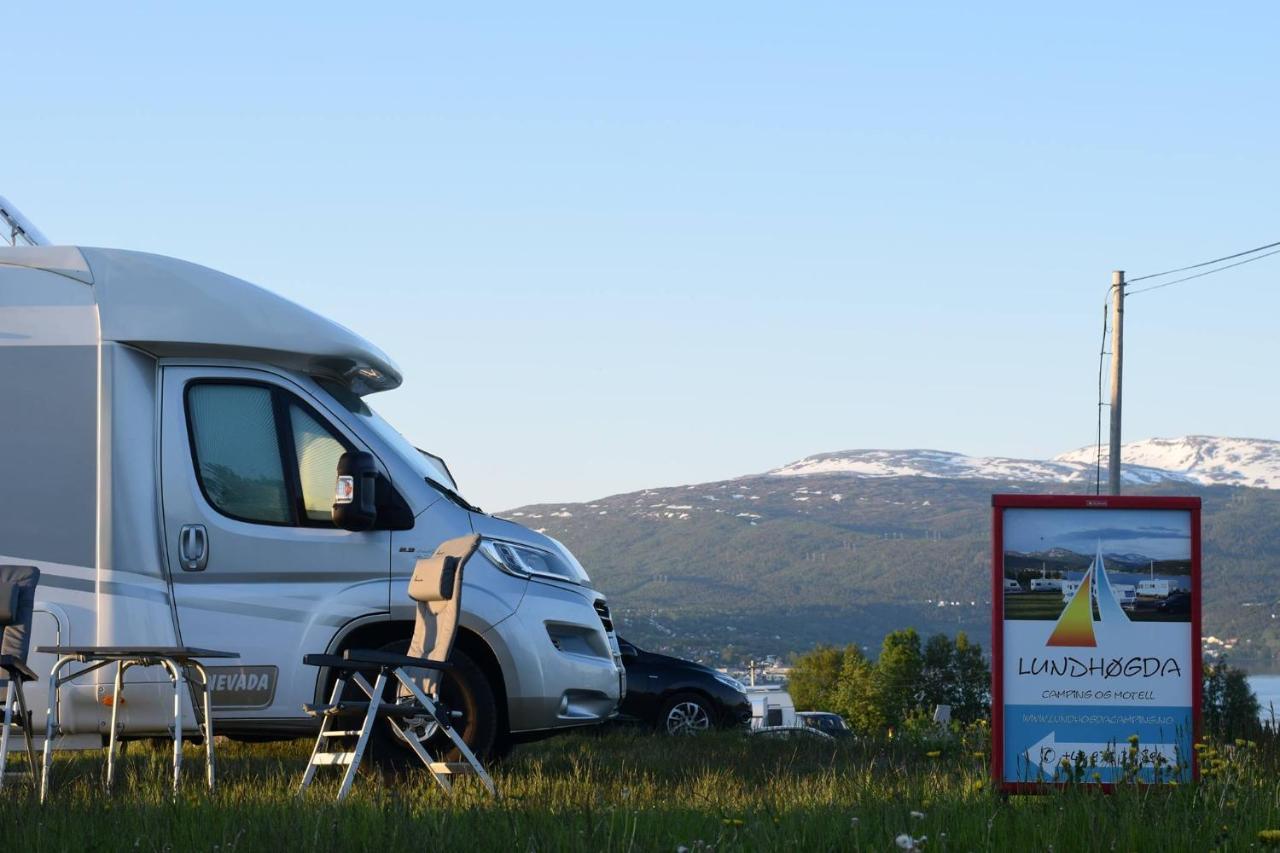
(858, 697)
(815, 676)
(897, 675)
(1229, 707)
(906, 682)
(971, 700)
(937, 673)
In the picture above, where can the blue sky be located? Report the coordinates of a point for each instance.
(624, 247)
(1156, 534)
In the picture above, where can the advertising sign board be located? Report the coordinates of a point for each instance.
(1095, 639)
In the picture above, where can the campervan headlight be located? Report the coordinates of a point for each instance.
(525, 561)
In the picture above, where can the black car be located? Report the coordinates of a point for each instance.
(679, 696)
(824, 721)
(1177, 604)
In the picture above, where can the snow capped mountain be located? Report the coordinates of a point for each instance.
(1203, 459)
(940, 463)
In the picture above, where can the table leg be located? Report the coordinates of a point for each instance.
(50, 723)
(178, 682)
(117, 689)
(208, 720)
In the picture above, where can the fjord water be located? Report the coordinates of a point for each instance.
(1267, 689)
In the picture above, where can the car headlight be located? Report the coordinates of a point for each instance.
(525, 561)
(731, 682)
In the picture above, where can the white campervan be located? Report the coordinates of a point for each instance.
(1126, 594)
(170, 442)
(1153, 588)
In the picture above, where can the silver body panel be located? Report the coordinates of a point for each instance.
(96, 349)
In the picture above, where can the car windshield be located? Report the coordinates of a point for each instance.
(824, 721)
(426, 465)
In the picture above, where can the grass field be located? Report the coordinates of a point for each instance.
(632, 791)
(1034, 605)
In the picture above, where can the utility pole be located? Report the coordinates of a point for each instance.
(1117, 369)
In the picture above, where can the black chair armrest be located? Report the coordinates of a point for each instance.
(390, 659)
(335, 662)
(17, 670)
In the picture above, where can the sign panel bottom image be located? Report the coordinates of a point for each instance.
(1067, 743)
(1095, 639)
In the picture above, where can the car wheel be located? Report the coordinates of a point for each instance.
(685, 714)
(464, 689)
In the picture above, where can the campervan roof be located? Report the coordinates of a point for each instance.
(173, 308)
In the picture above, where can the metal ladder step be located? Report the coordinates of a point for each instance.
(324, 759)
(340, 733)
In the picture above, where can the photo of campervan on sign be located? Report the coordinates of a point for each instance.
(1136, 567)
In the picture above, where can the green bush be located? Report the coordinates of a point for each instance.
(901, 688)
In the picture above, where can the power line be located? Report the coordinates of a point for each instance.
(1102, 355)
(1204, 264)
(1206, 272)
(1119, 291)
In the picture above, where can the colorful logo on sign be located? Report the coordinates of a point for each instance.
(1075, 625)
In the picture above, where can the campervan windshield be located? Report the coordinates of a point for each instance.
(425, 464)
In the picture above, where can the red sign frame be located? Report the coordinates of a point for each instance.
(1002, 502)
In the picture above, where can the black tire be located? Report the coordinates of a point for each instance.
(686, 714)
(464, 688)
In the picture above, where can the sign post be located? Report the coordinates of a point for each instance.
(1095, 640)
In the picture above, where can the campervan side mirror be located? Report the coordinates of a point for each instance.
(355, 494)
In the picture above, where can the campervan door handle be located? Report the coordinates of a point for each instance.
(193, 547)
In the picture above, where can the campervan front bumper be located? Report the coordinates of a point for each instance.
(561, 659)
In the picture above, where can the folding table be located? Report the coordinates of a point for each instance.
(179, 662)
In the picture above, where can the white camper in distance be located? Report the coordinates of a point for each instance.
(1125, 594)
(171, 437)
(1155, 588)
(771, 708)
(1046, 584)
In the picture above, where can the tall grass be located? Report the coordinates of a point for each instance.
(632, 791)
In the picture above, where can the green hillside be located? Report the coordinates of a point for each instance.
(773, 565)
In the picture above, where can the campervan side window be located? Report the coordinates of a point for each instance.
(261, 454)
(233, 434)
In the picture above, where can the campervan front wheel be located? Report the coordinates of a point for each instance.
(463, 688)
